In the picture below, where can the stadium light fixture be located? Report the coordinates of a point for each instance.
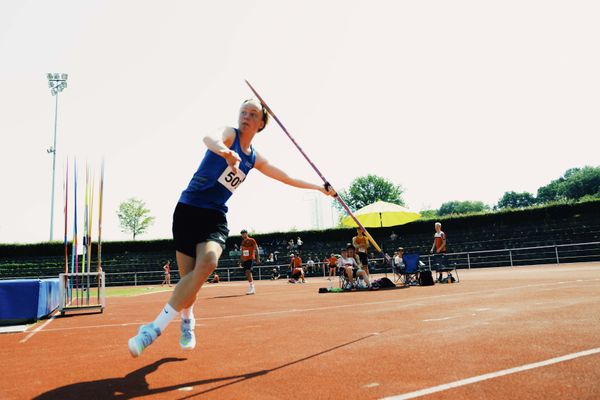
(57, 83)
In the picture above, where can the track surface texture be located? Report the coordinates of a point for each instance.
(501, 333)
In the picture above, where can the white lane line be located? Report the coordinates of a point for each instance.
(492, 375)
(438, 319)
(39, 328)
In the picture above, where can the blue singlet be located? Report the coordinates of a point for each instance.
(214, 182)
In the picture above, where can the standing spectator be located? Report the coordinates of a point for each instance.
(361, 244)
(270, 258)
(310, 265)
(167, 268)
(291, 244)
(249, 249)
(296, 269)
(299, 243)
(332, 262)
(439, 246)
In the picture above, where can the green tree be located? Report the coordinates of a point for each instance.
(134, 217)
(461, 207)
(582, 182)
(516, 200)
(368, 189)
(428, 214)
(573, 185)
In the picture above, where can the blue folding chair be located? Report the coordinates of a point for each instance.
(411, 270)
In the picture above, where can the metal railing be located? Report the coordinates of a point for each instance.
(521, 256)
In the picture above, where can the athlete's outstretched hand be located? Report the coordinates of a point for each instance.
(328, 190)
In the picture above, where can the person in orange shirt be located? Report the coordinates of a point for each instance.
(249, 249)
(361, 244)
(438, 248)
(296, 267)
(332, 261)
(167, 268)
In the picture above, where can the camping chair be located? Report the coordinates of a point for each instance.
(345, 282)
(398, 270)
(441, 264)
(411, 272)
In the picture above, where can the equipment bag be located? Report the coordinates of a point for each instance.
(425, 278)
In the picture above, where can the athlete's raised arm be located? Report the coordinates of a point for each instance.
(219, 142)
(268, 169)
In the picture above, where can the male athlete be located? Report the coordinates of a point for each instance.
(249, 254)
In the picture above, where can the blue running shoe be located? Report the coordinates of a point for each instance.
(144, 338)
(187, 339)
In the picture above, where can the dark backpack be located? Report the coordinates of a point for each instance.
(383, 283)
(425, 278)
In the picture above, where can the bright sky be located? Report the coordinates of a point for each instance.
(453, 100)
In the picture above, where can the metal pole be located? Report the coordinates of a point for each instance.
(510, 255)
(53, 169)
(469, 260)
(556, 252)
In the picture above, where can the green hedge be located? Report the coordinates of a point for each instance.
(586, 212)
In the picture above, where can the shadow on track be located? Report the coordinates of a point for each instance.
(134, 385)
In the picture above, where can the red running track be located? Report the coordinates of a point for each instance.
(523, 332)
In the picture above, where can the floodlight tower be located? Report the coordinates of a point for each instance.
(57, 83)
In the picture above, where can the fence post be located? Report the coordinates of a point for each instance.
(259, 275)
(469, 260)
(135, 279)
(228, 276)
(429, 262)
(511, 260)
(556, 252)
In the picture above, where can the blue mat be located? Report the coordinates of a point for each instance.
(27, 300)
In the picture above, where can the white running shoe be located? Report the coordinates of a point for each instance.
(187, 339)
(250, 290)
(144, 338)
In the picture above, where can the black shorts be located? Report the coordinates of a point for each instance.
(363, 258)
(248, 264)
(193, 225)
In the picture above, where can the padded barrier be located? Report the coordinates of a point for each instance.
(27, 300)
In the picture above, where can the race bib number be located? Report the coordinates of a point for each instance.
(246, 253)
(231, 180)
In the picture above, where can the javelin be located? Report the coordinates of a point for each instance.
(327, 184)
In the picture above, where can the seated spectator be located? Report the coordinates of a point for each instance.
(393, 236)
(270, 258)
(352, 253)
(215, 278)
(275, 273)
(398, 262)
(353, 269)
